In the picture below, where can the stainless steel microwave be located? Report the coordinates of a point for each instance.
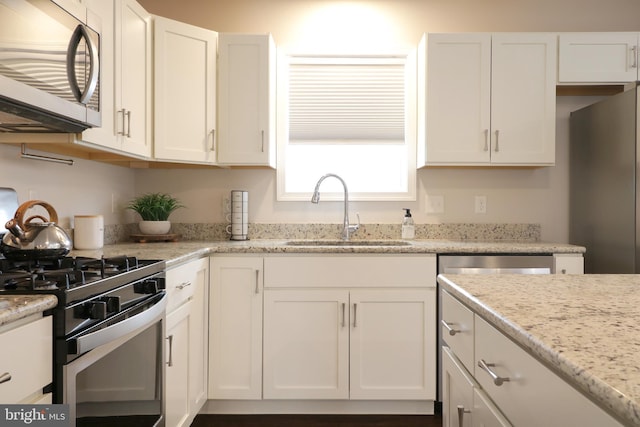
(49, 66)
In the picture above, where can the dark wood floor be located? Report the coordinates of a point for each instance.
(317, 421)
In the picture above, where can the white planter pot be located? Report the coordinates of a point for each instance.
(154, 227)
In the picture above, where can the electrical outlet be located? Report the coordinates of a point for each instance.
(481, 204)
(33, 194)
(434, 204)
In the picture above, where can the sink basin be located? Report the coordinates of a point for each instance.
(348, 243)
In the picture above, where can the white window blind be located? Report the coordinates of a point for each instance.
(346, 100)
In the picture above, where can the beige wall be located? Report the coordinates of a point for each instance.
(526, 195)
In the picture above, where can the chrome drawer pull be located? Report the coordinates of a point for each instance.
(449, 329)
(487, 368)
(5, 378)
(461, 412)
(342, 324)
(183, 285)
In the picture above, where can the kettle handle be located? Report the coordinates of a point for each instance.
(22, 209)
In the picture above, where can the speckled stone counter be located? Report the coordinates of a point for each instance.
(177, 252)
(16, 307)
(584, 327)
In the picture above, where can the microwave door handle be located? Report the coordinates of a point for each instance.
(94, 65)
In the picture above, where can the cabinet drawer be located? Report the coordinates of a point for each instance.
(28, 352)
(529, 381)
(456, 329)
(181, 282)
(350, 271)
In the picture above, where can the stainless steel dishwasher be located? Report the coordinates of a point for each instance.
(487, 264)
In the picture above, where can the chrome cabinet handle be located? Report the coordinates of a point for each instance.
(486, 140)
(497, 143)
(213, 140)
(262, 139)
(5, 378)
(257, 281)
(128, 124)
(461, 412)
(183, 285)
(497, 380)
(124, 114)
(342, 324)
(355, 310)
(634, 52)
(449, 329)
(170, 361)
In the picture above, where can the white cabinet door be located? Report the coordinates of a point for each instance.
(184, 92)
(457, 390)
(187, 336)
(198, 337)
(306, 344)
(177, 366)
(392, 337)
(523, 98)
(597, 57)
(485, 414)
(235, 328)
(25, 365)
(488, 99)
(125, 80)
(133, 77)
(568, 263)
(457, 95)
(246, 99)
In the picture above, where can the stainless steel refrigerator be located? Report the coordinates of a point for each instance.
(604, 178)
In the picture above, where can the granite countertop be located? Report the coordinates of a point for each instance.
(177, 252)
(16, 307)
(585, 327)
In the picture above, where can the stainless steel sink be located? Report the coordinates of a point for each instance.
(348, 243)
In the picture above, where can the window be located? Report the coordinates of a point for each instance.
(352, 116)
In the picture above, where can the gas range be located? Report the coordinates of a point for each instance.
(73, 279)
(89, 290)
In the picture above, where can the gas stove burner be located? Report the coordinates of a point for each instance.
(25, 281)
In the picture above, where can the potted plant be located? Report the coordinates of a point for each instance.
(154, 209)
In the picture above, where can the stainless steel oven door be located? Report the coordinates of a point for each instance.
(119, 379)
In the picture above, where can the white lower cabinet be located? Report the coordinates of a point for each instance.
(306, 344)
(374, 340)
(186, 341)
(235, 327)
(177, 366)
(25, 365)
(529, 394)
(464, 404)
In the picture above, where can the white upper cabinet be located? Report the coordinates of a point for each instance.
(125, 81)
(246, 99)
(487, 99)
(184, 92)
(597, 57)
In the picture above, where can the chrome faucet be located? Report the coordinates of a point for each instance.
(347, 228)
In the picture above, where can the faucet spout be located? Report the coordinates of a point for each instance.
(347, 229)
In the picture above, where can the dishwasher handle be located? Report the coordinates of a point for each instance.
(497, 270)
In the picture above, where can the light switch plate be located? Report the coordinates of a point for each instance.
(434, 204)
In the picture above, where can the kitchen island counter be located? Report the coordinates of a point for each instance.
(583, 327)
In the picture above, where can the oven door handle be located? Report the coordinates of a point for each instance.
(84, 343)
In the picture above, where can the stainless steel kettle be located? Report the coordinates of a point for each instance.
(28, 240)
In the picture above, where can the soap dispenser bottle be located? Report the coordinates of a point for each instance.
(408, 226)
